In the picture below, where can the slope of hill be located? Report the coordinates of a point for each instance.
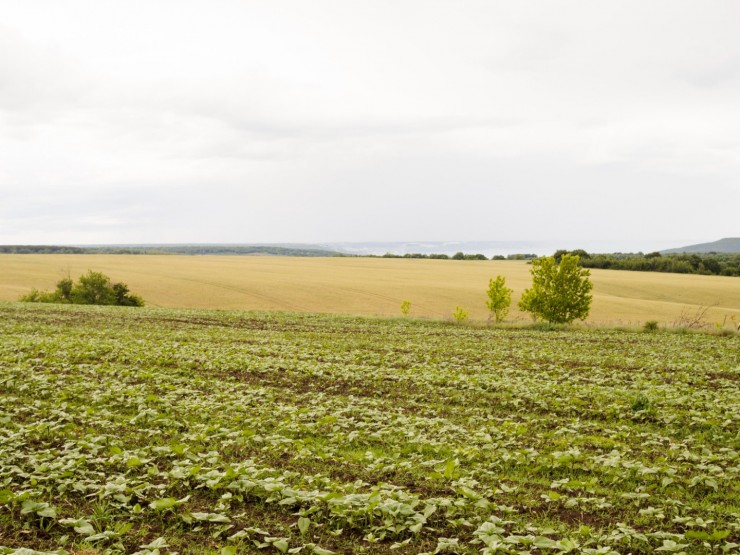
(198, 249)
(728, 244)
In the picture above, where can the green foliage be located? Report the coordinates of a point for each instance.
(580, 253)
(124, 298)
(641, 403)
(462, 256)
(718, 264)
(560, 293)
(36, 296)
(405, 307)
(650, 325)
(499, 298)
(92, 288)
(64, 289)
(434, 256)
(460, 314)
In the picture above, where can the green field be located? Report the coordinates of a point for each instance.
(190, 431)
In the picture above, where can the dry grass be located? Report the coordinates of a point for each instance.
(366, 285)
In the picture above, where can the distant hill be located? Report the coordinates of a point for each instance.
(726, 245)
(238, 250)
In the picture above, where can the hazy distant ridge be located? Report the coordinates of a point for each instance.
(238, 250)
(726, 245)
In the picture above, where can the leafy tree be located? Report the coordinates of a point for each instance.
(93, 288)
(124, 297)
(64, 289)
(560, 293)
(499, 298)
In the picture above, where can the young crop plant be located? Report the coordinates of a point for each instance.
(405, 307)
(499, 298)
(560, 292)
(641, 403)
(460, 314)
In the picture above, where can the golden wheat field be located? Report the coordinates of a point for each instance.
(368, 285)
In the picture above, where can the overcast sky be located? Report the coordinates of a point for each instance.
(312, 121)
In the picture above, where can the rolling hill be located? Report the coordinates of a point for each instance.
(726, 245)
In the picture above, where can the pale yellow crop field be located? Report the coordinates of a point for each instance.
(366, 285)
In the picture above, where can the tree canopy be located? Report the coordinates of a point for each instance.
(560, 292)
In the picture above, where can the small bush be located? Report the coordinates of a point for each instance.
(405, 307)
(36, 296)
(460, 314)
(650, 325)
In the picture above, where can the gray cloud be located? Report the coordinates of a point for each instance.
(325, 121)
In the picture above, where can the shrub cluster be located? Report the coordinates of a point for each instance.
(92, 288)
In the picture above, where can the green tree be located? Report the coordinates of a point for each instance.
(64, 290)
(124, 297)
(560, 293)
(499, 298)
(93, 288)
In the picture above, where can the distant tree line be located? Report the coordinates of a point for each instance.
(40, 249)
(457, 256)
(717, 264)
